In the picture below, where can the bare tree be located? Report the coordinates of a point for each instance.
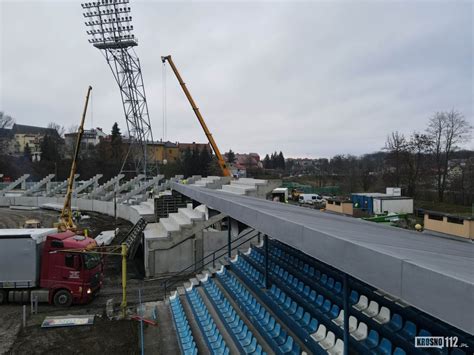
(6, 121)
(417, 148)
(446, 130)
(396, 145)
(73, 128)
(58, 128)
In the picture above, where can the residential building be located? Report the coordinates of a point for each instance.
(163, 151)
(247, 161)
(30, 136)
(199, 146)
(90, 138)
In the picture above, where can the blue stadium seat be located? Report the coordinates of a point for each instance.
(384, 348)
(354, 297)
(326, 306)
(319, 301)
(395, 324)
(408, 331)
(399, 351)
(424, 333)
(185, 338)
(313, 325)
(372, 340)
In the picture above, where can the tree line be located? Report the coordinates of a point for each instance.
(422, 163)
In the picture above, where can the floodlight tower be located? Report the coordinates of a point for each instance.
(109, 25)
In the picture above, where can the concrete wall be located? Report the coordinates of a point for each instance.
(340, 207)
(465, 230)
(184, 254)
(123, 211)
(165, 261)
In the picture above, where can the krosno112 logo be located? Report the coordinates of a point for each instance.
(436, 342)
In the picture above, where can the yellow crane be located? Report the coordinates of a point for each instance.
(66, 221)
(220, 159)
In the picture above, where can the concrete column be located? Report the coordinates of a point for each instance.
(346, 314)
(229, 238)
(267, 281)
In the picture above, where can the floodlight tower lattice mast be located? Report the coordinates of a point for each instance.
(109, 25)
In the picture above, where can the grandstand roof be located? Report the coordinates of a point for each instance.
(429, 272)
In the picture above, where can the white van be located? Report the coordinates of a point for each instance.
(309, 199)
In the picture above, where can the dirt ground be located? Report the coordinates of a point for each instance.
(105, 336)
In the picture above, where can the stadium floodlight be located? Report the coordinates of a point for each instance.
(108, 24)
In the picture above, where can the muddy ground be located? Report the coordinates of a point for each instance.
(105, 336)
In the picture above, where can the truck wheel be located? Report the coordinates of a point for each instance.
(62, 298)
(3, 296)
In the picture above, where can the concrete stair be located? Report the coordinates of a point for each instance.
(251, 187)
(177, 240)
(238, 189)
(213, 182)
(181, 220)
(170, 226)
(191, 214)
(250, 181)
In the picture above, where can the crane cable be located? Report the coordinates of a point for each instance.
(165, 123)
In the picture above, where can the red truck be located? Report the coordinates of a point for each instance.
(41, 263)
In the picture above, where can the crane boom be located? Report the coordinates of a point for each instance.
(212, 142)
(66, 221)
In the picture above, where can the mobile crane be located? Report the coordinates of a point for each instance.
(220, 159)
(66, 221)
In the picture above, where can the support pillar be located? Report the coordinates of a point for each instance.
(229, 238)
(267, 281)
(346, 314)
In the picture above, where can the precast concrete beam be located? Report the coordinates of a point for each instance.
(118, 189)
(86, 184)
(141, 188)
(20, 181)
(101, 190)
(59, 187)
(36, 187)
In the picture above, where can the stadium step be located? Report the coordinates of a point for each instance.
(260, 340)
(222, 329)
(197, 334)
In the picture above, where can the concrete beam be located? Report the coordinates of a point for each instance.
(59, 187)
(14, 184)
(101, 190)
(36, 187)
(118, 189)
(141, 188)
(86, 184)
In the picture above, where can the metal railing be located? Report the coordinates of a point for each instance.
(167, 284)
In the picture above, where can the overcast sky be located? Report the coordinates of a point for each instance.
(312, 79)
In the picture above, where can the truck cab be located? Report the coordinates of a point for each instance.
(70, 276)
